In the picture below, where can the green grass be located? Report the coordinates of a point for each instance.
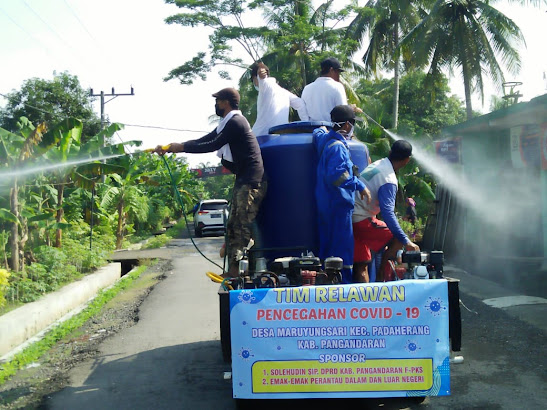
(37, 349)
(157, 242)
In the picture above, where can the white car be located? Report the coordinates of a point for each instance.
(210, 217)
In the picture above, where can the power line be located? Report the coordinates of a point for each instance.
(80, 21)
(163, 128)
(7, 97)
(26, 32)
(46, 24)
(120, 138)
(127, 125)
(74, 50)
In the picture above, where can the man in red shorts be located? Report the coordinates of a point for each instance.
(371, 234)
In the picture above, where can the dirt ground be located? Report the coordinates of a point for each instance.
(29, 386)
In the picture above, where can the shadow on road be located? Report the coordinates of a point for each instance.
(188, 376)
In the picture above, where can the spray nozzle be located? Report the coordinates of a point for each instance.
(164, 147)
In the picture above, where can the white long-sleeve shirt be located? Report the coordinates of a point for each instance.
(321, 97)
(273, 106)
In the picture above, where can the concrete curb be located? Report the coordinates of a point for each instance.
(21, 324)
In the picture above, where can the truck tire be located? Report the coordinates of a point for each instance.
(225, 337)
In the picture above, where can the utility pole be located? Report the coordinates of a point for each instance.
(102, 94)
(113, 95)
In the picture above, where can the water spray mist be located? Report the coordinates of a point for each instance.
(478, 196)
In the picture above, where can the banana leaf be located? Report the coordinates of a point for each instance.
(6, 215)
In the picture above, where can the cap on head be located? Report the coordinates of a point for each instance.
(228, 94)
(342, 113)
(329, 63)
(401, 149)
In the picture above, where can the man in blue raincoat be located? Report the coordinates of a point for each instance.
(335, 189)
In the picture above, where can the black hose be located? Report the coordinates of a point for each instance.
(177, 194)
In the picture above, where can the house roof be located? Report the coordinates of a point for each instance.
(530, 112)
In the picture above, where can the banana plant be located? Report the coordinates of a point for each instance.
(126, 196)
(16, 151)
(81, 163)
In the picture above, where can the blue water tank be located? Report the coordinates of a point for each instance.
(287, 221)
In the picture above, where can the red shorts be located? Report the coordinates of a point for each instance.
(370, 234)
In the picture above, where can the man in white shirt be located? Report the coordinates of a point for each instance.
(272, 106)
(325, 93)
(371, 234)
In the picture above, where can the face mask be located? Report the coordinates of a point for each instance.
(347, 134)
(350, 132)
(219, 111)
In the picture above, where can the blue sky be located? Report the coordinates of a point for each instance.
(124, 43)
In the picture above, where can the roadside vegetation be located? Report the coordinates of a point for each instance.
(159, 241)
(69, 196)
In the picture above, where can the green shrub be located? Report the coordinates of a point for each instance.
(38, 272)
(82, 258)
(177, 230)
(157, 215)
(46, 278)
(24, 290)
(414, 232)
(52, 258)
(4, 275)
(79, 229)
(105, 227)
(56, 267)
(157, 242)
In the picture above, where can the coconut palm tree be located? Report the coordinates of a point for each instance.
(385, 22)
(471, 36)
(298, 37)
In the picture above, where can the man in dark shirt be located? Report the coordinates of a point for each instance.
(241, 155)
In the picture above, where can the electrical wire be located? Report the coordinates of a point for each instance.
(45, 47)
(80, 21)
(181, 202)
(119, 137)
(162, 128)
(50, 28)
(7, 97)
(127, 125)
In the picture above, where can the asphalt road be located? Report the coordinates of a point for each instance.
(171, 359)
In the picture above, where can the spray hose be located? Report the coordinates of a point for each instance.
(224, 282)
(177, 194)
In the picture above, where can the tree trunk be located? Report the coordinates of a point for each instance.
(396, 79)
(6, 265)
(14, 238)
(23, 237)
(467, 88)
(119, 229)
(59, 217)
(302, 66)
